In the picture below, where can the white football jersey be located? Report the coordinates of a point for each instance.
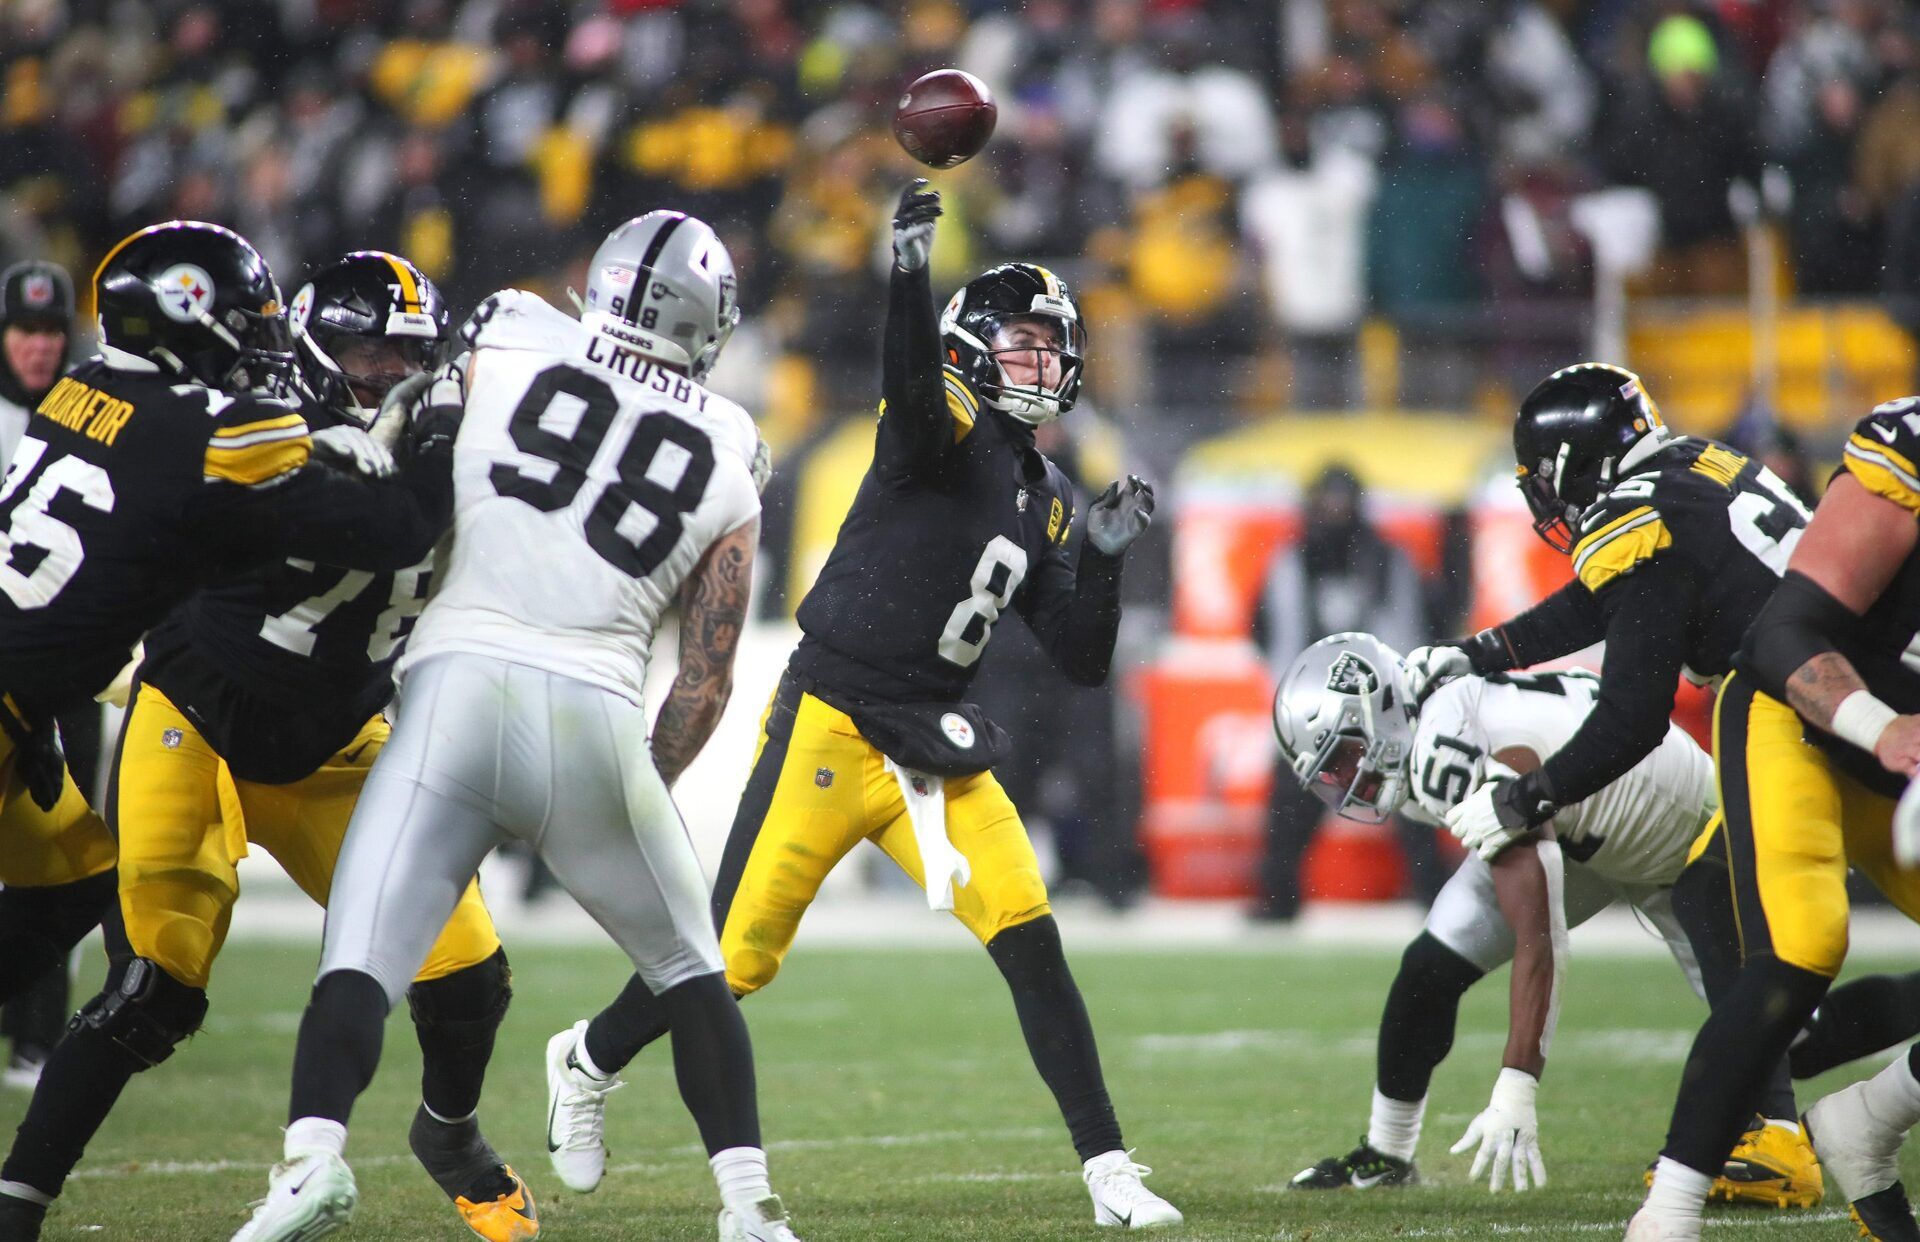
(1636, 830)
(588, 483)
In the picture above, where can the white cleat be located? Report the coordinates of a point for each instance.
(764, 1221)
(576, 1114)
(1120, 1199)
(1646, 1227)
(308, 1197)
(1859, 1151)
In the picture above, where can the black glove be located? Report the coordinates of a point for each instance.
(1528, 801)
(37, 758)
(913, 225)
(1121, 515)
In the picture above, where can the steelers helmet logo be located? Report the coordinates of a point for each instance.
(1352, 675)
(185, 291)
(301, 310)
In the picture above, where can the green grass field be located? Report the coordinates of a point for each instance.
(899, 1104)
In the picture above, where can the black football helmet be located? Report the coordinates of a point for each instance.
(1580, 431)
(197, 301)
(361, 326)
(988, 303)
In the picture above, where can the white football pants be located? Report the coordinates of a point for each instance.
(483, 751)
(1466, 915)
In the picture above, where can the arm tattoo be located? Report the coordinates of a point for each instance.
(1817, 687)
(711, 619)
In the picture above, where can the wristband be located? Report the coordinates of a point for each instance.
(1861, 719)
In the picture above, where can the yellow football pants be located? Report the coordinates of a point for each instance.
(818, 789)
(184, 823)
(1794, 823)
(40, 849)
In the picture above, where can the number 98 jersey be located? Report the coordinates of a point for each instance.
(588, 483)
(1636, 830)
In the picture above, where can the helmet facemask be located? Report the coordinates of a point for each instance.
(252, 351)
(1037, 348)
(354, 347)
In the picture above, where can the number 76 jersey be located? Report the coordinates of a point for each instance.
(588, 484)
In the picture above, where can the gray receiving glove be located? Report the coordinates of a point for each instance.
(353, 451)
(1121, 515)
(913, 225)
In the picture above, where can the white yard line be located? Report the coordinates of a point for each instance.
(1743, 1220)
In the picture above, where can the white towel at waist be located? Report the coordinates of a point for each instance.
(945, 867)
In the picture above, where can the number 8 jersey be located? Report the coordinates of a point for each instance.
(588, 483)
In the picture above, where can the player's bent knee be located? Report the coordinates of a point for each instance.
(1817, 944)
(467, 1005)
(145, 1010)
(1435, 967)
(748, 972)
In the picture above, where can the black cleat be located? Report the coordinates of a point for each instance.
(20, 1219)
(1363, 1168)
(1886, 1216)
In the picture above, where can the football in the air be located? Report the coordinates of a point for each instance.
(945, 117)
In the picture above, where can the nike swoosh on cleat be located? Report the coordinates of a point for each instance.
(552, 1109)
(1368, 1182)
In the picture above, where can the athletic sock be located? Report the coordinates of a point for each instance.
(617, 1033)
(1417, 1022)
(583, 1060)
(1893, 1095)
(713, 1062)
(1858, 1018)
(1678, 1192)
(1394, 1129)
(338, 1049)
(308, 1136)
(1059, 1035)
(79, 1085)
(741, 1173)
(455, 1018)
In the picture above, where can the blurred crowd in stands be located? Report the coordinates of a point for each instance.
(1238, 184)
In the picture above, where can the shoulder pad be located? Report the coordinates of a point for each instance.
(1883, 449)
(962, 402)
(733, 425)
(516, 319)
(254, 440)
(1620, 531)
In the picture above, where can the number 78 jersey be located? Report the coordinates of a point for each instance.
(584, 496)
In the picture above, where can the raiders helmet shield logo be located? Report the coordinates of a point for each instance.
(1352, 675)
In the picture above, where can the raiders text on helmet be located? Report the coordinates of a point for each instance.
(193, 300)
(369, 296)
(1345, 725)
(985, 305)
(663, 285)
(1579, 432)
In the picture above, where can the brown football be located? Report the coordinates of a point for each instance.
(944, 118)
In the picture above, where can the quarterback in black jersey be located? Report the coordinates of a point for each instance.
(177, 459)
(1820, 734)
(958, 520)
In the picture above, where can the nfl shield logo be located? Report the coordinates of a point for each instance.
(170, 738)
(920, 786)
(37, 290)
(823, 777)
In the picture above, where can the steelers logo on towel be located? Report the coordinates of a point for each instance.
(185, 291)
(958, 731)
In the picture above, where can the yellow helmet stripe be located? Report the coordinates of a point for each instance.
(409, 287)
(1053, 282)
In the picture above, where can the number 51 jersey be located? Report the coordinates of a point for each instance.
(588, 483)
(1635, 831)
